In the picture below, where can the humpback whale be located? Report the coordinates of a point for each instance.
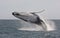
(30, 18)
(33, 18)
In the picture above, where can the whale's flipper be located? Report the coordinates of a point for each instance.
(39, 11)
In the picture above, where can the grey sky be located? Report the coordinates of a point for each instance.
(8, 6)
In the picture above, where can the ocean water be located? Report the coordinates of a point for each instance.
(8, 29)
